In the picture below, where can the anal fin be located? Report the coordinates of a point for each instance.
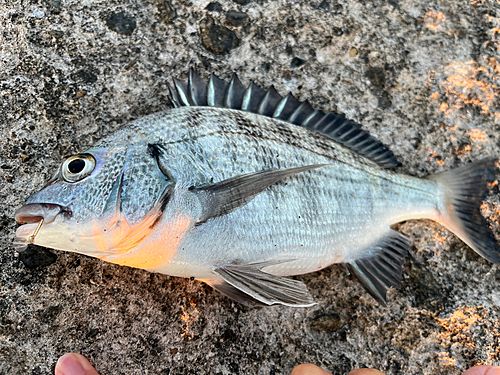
(263, 287)
(378, 272)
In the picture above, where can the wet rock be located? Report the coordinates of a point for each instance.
(49, 315)
(217, 39)
(236, 18)
(338, 31)
(92, 333)
(37, 256)
(121, 23)
(376, 77)
(56, 33)
(228, 336)
(297, 63)
(87, 76)
(427, 292)
(384, 100)
(7, 326)
(324, 5)
(166, 10)
(214, 7)
(55, 6)
(327, 323)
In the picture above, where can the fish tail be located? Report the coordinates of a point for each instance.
(465, 189)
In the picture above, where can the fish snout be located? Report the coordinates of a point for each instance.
(34, 212)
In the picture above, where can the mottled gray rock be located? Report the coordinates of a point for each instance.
(422, 76)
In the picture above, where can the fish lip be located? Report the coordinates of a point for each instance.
(34, 212)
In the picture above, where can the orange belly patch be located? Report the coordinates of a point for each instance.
(136, 251)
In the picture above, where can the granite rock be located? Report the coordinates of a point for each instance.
(422, 76)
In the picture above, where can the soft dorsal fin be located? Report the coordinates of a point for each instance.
(233, 95)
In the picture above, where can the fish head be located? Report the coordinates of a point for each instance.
(95, 200)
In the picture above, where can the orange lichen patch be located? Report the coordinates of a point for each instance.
(445, 359)
(491, 211)
(441, 238)
(492, 184)
(494, 20)
(465, 86)
(444, 107)
(434, 157)
(458, 325)
(434, 20)
(495, 30)
(477, 137)
(495, 65)
(475, 2)
(463, 151)
(188, 317)
(473, 332)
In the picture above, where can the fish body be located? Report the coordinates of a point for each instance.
(239, 198)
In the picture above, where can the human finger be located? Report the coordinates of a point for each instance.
(366, 371)
(309, 369)
(483, 370)
(74, 364)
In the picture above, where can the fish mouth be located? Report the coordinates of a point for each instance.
(35, 212)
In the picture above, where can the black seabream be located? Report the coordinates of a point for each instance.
(240, 187)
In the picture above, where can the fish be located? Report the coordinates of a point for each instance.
(240, 188)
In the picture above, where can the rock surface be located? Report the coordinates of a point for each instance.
(422, 76)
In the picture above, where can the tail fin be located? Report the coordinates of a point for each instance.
(465, 189)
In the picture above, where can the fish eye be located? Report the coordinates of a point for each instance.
(77, 167)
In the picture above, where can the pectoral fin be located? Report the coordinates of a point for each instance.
(383, 266)
(263, 287)
(226, 196)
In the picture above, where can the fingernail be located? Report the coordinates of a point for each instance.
(69, 364)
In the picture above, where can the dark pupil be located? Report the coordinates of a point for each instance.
(76, 166)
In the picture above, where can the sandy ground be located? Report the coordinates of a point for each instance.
(423, 76)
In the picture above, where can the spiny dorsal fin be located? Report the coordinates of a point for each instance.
(217, 89)
(223, 94)
(197, 89)
(235, 93)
